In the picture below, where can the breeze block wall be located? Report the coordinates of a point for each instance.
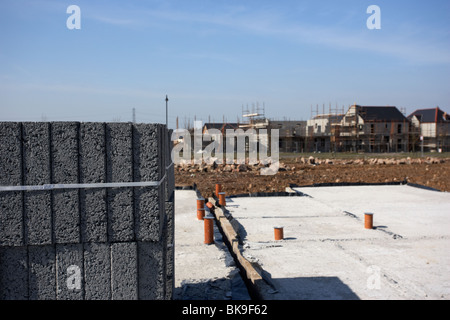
(86, 243)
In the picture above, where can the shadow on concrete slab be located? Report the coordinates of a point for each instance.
(310, 288)
(226, 288)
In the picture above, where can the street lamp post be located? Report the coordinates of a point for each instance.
(167, 112)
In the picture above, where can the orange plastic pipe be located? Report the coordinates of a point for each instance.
(209, 230)
(278, 233)
(218, 189)
(200, 214)
(200, 203)
(368, 220)
(222, 200)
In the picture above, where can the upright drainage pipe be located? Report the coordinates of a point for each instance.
(222, 200)
(218, 189)
(209, 229)
(200, 203)
(278, 231)
(200, 214)
(200, 208)
(368, 220)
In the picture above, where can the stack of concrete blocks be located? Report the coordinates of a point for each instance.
(86, 243)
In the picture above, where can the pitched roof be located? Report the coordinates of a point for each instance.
(220, 126)
(333, 118)
(430, 115)
(371, 113)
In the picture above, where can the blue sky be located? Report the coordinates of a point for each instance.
(213, 57)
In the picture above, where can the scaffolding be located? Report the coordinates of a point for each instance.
(254, 118)
(323, 129)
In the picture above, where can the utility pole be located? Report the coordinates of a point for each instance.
(134, 115)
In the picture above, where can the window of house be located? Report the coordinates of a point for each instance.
(399, 129)
(372, 128)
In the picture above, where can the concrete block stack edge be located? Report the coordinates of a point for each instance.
(101, 243)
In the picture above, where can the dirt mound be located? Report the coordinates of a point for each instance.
(242, 179)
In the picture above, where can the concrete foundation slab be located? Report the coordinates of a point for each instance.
(328, 254)
(202, 272)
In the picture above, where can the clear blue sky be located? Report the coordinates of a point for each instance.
(212, 57)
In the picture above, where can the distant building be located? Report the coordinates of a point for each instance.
(433, 126)
(222, 127)
(360, 129)
(373, 129)
(212, 127)
(291, 133)
(320, 132)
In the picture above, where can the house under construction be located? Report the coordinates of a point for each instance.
(373, 129)
(430, 129)
(359, 129)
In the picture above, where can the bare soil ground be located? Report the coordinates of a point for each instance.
(431, 174)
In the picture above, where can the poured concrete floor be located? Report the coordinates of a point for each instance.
(328, 254)
(202, 272)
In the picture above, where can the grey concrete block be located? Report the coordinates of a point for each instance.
(149, 213)
(11, 203)
(69, 272)
(93, 208)
(64, 148)
(66, 216)
(119, 169)
(152, 270)
(97, 269)
(36, 171)
(170, 216)
(92, 152)
(124, 271)
(148, 166)
(38, 217)
(95, 255)
(169, 234)
(42, 272)
(94, 219)
(119, 152)
(120, 215)
(64, 164)
(36, 152)
(13, 273)
(10, 154)
(11, 219)
(170, 171)
(147, 152)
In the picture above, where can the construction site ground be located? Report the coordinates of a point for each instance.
(202, 272)
(326, 252)
(358, 169)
